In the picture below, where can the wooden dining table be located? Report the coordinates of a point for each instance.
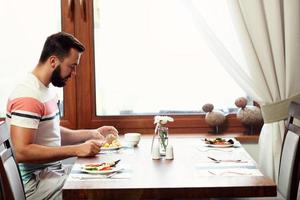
(191, 174)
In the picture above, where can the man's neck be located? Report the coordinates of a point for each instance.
(41, 72)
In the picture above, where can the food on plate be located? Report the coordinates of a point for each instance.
(218, 141)
(100, 166)
(110, 138)
(114, 144)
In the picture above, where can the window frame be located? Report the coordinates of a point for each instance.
(86, 97)
(69, 118)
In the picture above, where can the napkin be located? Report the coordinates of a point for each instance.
(82, 176)
(225, 165)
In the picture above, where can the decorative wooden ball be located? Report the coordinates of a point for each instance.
(208, 107)
(241, 102)
(250, 115)
(215, 118)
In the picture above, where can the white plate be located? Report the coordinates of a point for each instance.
(110, 148)
(114, 169)
(220, 145)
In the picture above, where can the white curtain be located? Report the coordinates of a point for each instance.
(269, 32)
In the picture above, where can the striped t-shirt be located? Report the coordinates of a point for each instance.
(33, 105)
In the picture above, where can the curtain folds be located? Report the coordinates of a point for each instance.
(270, 35)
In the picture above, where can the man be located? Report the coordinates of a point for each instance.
(33, 118)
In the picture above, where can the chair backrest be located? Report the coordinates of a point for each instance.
(11, 182)
(289, 168)
(298, 195)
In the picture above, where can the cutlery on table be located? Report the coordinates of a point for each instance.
(115, 163)
(229, 172)
(114, 173)
(218, 160)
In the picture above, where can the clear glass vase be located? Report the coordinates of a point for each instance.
(163, 133)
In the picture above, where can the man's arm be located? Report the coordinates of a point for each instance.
(69, 136)
(26, 151)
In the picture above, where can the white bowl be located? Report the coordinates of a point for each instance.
(132, 139)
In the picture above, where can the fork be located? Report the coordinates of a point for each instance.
(114, 173)
(229, 172)
(218, 160)
(111, 175)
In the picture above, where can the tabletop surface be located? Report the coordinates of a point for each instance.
(191, 174)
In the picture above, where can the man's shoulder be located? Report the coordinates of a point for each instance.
(24, 89)
(29, 87)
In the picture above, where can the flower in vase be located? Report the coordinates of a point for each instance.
(162, 119)
(162, 131)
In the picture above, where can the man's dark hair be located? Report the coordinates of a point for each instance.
(60, 44)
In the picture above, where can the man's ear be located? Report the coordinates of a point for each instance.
(53, 62)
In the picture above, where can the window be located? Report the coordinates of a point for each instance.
(22, 37)
(142, 57)
(150, 58)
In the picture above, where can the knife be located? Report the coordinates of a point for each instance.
(115, 163)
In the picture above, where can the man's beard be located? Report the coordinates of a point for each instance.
(56, 78)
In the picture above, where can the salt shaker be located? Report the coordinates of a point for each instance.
(169, 153)
(155, 152)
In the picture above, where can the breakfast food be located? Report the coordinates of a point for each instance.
(219, 141)
(114, 144)
(110, 138)
(105, 166)
(97, 167)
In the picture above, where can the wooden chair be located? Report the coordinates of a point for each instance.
(289, 168)
(11, 182)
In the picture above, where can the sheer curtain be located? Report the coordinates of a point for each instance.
(269, 34)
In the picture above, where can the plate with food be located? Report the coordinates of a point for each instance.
(101, 168)
(109, 148)
(218, 142)
(114, 145)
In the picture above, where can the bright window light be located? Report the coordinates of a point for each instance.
(150, 58)
(24, 28)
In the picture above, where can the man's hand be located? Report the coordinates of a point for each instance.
(107, 130)
(89, 148)
(105, 133)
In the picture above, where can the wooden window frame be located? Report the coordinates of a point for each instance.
(68, 25)
(86, 97)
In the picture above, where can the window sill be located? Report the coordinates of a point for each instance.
(248, 138)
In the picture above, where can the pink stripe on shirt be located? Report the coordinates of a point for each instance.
(51, 107)
(27, 104)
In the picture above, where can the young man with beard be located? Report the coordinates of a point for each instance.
(33, 118)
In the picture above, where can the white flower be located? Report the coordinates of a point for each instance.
(162, 119)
